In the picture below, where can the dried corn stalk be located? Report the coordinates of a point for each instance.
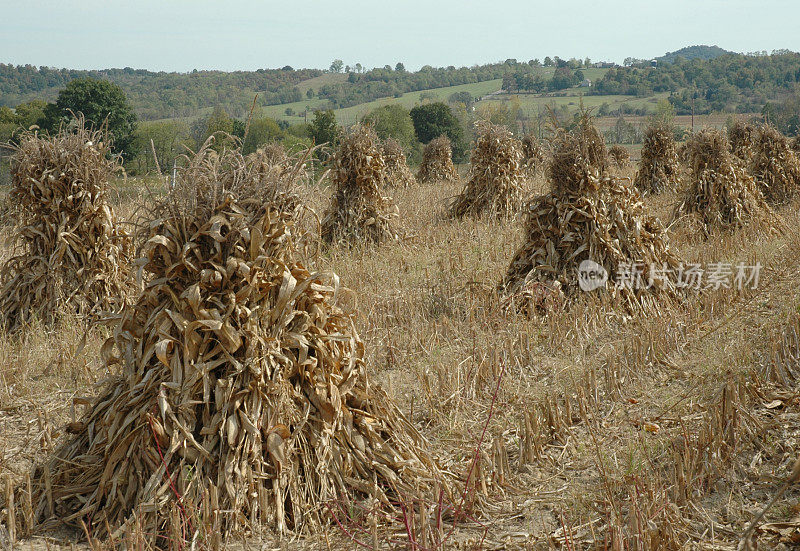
(659, 167)
(271, 157)
(721, 191)
(397, 172)
(619, 156)
(437, 162)
(495, 186)
(533, 155)
(589, 216)
(359, 211)
(69, 253)
(740, 136)
(242, 393)
(774, 165)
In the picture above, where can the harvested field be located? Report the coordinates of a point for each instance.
(589, 428)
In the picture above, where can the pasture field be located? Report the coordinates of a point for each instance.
(583, 429)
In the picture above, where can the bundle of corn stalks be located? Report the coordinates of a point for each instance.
(589, 216)
(397, 172)
(437, 162)
(659, 167)
(242, 396)
(271, 157)
(69, 253)
(795, 144)
(721, 191)
(495, 186)
(619, 156)
(533, 154)
(774, 165)
(359, 212)
(740, 136)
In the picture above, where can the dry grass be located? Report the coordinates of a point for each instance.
(640, 432)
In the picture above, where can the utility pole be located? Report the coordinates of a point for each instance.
(693, 113)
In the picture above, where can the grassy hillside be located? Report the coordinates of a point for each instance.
(351, 115)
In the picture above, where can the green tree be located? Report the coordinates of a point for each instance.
(337, 65)
(323, 129)
(394, 121)
(30, 113)
(434, 119)
(400, 68)
(262, 131)
(169, 139)
(462, 97)
(548, 62)
(99, 101)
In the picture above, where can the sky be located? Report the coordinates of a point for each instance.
(181, 35)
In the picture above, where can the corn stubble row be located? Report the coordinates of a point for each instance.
(240, 389)
(69, 252)
(495, 187)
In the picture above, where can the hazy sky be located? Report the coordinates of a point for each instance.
(180, 35)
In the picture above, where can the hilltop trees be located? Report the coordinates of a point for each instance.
(99, 101)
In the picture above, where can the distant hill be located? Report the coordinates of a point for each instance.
(694, 52)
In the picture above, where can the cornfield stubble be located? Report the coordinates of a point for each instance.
(593, 430)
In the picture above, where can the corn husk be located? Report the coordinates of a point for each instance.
(397, 172)
(659, 168)
(69, 252)
(240, 390)
(495, 187)
(359, 210)
(437, 163)
(774, 165)
(721, 191)
(588, 215)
